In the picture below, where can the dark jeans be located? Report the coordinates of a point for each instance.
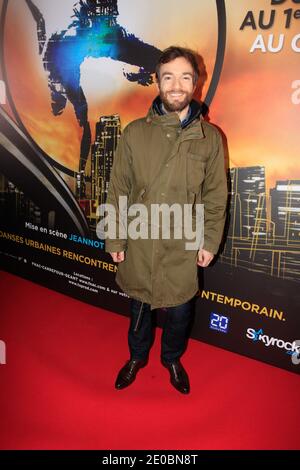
(174, 336)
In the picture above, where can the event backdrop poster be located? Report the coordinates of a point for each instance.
(73, 74)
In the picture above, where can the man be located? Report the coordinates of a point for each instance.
(170, 156)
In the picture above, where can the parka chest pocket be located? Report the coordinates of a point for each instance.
(196, 166)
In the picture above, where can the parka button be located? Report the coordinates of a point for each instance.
(168, 135)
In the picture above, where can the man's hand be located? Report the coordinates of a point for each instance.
(118, 256)
(204, 258)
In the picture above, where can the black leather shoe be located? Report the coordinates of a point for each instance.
(178, 376)
(128, 373)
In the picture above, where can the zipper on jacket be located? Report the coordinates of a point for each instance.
(138, 321)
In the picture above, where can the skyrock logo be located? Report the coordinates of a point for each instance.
(293, 349)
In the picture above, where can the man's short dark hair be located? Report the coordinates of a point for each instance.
(173, 52)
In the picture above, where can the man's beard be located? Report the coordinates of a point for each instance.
(175, 105)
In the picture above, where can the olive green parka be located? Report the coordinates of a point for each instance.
(159, 160)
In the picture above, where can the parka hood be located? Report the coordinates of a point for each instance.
(195, 110)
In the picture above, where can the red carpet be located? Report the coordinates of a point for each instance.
(57, 387)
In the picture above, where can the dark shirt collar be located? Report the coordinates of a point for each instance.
(194, 111)
(183, 121)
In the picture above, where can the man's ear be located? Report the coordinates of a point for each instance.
(157, 84)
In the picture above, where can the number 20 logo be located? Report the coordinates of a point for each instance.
(219, 322)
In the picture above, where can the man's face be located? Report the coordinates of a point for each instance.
(176, 86)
